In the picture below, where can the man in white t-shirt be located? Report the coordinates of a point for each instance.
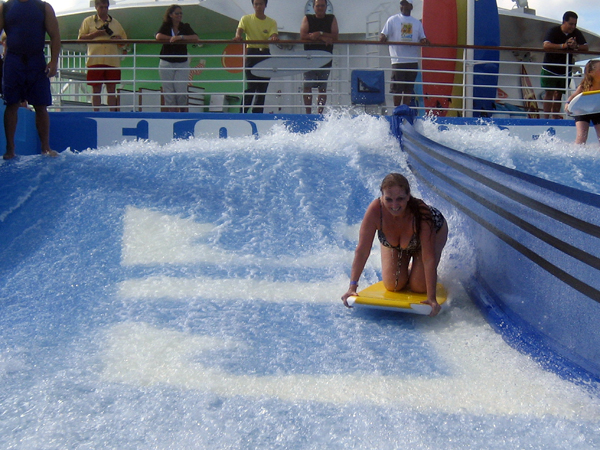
(405, 58)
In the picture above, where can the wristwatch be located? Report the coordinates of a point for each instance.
(320, 33)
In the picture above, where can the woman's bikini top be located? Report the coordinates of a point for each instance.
(413, 247)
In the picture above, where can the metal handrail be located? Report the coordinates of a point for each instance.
(285, 95)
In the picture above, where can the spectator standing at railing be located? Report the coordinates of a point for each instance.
(26, 73)
(256, 27)
(323, 29)
(567, 38)
(174, 66)
(405, 58)
(104, 59)
(590, 82)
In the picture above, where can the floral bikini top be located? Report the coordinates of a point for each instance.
(413, 247)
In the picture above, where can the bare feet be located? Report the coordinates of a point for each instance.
(11, 155)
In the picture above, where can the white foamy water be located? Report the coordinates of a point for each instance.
(547, 157)
(188, 296)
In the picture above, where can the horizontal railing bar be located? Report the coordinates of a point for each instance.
(140, 71)
(338, 42)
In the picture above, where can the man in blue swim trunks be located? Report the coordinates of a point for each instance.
(26, 73)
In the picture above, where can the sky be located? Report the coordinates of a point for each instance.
(587, 10)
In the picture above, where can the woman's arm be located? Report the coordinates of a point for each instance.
(185, 38)
(189, 37)
(578, 91)
(363, 249)
(188, 33)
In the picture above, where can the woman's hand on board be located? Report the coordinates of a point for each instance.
(435, 307)
(351, 292)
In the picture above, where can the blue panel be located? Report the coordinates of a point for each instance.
(486, 33)
(537, 247)
(97, 129)
(27, 141)
(368, 87)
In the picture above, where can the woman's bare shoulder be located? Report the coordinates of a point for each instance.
(373, 207)
(372, 213)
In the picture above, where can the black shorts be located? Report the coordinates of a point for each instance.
(593, 118)
(403, 78)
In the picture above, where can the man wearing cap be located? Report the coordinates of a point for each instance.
(405, 58)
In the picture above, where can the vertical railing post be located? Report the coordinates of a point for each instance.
(471, 56)
(244, 49)
(348, 72)
(464, 83)
(567, 81)
(134, 72)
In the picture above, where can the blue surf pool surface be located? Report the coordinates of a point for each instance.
(187, 295)
(547, 156)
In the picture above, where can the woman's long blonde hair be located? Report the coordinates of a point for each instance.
(588, 78)
(417, 206)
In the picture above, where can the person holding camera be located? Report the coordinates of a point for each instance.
(104, 60)
(560, 43)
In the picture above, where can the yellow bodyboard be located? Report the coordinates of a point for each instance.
(405, 301)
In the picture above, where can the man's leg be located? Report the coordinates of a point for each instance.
(395, 87)
(42, 123)
(10, 127)
(548, 99)
(557, 104)
(96, 91)
(249, 96)
(308, 99)
(259, 100)
(112, 98)
(407, 97)
(409, 86)
(322, 98)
